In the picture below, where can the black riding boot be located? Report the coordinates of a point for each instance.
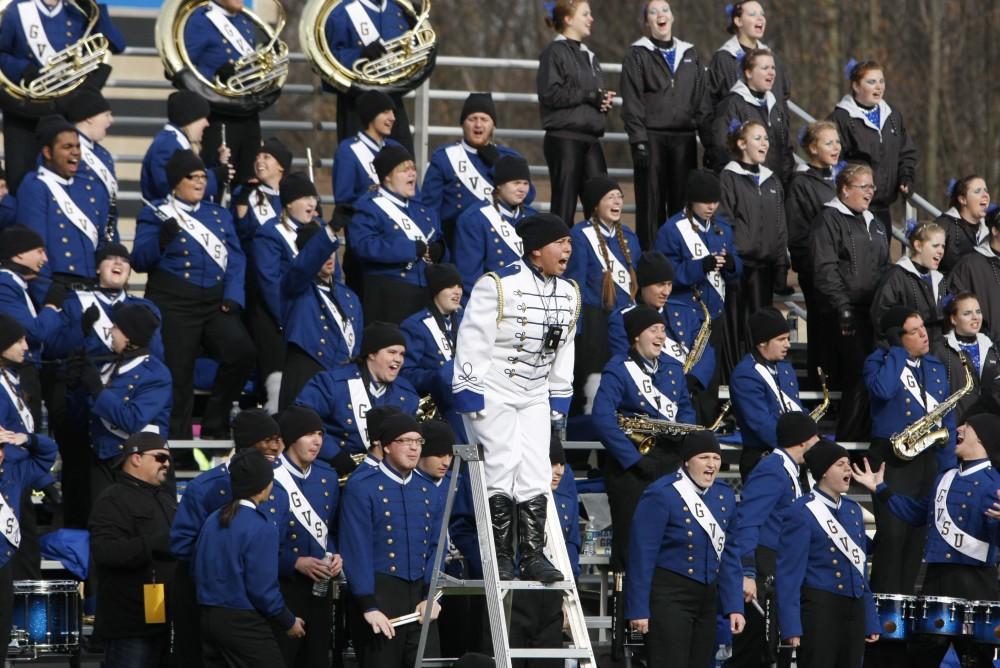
(502, 514)
(531, 533)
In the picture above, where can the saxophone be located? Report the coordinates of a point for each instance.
(643, 430)
(818, 412)
(700, 341)
(357, 458)
(924, 433)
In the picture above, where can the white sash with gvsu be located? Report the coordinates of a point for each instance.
(218, 17)
(405, 223)
(699, 250)
(9, 526)
(360, 403)
(68, 206)
(440, 337)
(702, 513)
(213, 245)
(300, 506)
(838, 534)
(263, 210)
(364, 154)
(34, 32)
(619, 273)
(653, 396)
(503, 229)
(913, 387)
(362, 24)
(103, 324)
(949, 531)
(467, 173)
(783, 399)
(343, 324)
(104, 173)
(23, 411)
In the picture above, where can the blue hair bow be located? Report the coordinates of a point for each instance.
(849, 68)
(729, 11)
(950, 190)
(550, 9)
(947, 299)
(734, 126)
(802, 134)
(911, 225)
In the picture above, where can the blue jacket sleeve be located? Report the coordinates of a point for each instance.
(302, 272)
(356, 540)
(617, 338)
(751, 407)
(234, 285)
(730, 581)
(188, 521)
(469, 249)
(760, 495)
(604, 416)
(105, 26)
(260, 577)
(139, 411)
(882, 371)
(146, 247)
(432, 189)
(793, 557)
(687, 271)
(8, 211)
(911, 510)
(12, 62)
(648, 526)
(267, 271)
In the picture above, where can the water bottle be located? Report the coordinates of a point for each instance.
(322, 587)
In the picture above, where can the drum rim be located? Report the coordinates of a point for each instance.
(943, 599)
(46, 586)
(895, 597)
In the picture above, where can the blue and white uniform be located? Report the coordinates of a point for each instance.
(153, 176)
(486, 240)
(430, 351)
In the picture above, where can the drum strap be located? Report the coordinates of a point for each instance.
(949, 530)
(702, 513)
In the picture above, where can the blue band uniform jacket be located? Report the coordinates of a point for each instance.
(320, 487)
(756, 406)
(136, 397)
(479, 248)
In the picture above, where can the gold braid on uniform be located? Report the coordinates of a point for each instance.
(496, 279)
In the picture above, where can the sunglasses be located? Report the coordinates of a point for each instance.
(160, 457)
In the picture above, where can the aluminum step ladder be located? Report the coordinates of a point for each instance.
(498, 602)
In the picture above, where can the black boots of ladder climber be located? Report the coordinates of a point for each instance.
(531, 530)
(502, 514)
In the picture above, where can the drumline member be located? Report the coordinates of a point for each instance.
(873, 132)
(825, 604)
(678, 571)
(211, 490)
(257, 202)
(914, 280)
(905, 382)
(977, 272)
(307, 552)
(962, 532)
(389, 524)
(664, 102)
(513, 377)
(395, 237)
(235, 567)
(486, 236)
(321, 318)
(196, 278)
(965, 221)
(763, 387)
(963, 336)
(342, 396)
(29, 34)
(91, 113)
(573, 104)
(769, 491)
(747, 23)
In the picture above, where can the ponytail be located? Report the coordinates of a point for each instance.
(228, 512)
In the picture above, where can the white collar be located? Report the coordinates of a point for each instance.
(183, 206)
(697, 488)
(268, 190)
(735, 167)
(835, 203)
(468, 149)
(426, 476)
(247, 503)
(17, 278)
(131, 364)
(394, 476)
(854, 110)
(740, 88)
(51, 13)
(733, 47)
(783, 453)
(905, 262)
(58, 179)
(827, 500)
(689, 216)
(583, 47)
(372, 6)
(392, 198)
(506, 212)
(369, 142)
(985, 249)
(290, 466)
(974, 469)
(680, 46)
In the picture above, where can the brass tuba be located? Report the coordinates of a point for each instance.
(258, 77)
(925, 432)
(408, 61)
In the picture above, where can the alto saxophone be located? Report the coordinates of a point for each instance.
(818, 412)
(643, 430)
(924, 433)
(700, 341)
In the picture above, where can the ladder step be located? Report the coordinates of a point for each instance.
(535, 584)
(537, 653)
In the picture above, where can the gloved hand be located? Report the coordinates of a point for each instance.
(374, 50)
(168, 232)
(847, 322)
(74, 369)
(640, 156)
(894, 336)
(692, 384)
(225, 72)
(781, 287)
(230, 306)
(30, 73)
(242, 194)
(436, 251)
(730, 264)
(222, 174)
(595, 98)
(90, 316)
(342, 214)
(343, 463)
(56, 295)
(490, 154)
(90, 378)
(708, 264)
(421, 249)
(645, 468)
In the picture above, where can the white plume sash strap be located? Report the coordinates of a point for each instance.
(656, 399)
(23, 411)
(702, 513)
(699, 250)
(360, 403)
(365, 156)
(949, 531)
(467, 173)
(213, 245)
(69, 207)
(789, 404)
(503, 229)
(912, 386)
(218, 17)
(440, 337)
(9, 525)
(398, 216)
(619, 272)
(343, 324)
(300, 506)
(362, 23)
(34, 33)
(102, 327)
(838, 534)
(99, 167)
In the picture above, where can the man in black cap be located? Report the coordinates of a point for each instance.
(763, 386)
(91, 113)
(130, 544)
(196, 277)
(513, 375)
(187, 118)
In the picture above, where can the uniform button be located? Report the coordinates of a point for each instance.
(690, 571)
(388, 514)
(947, 555)
(272, 510)
(838, 574)
(690, 547)
(685, 509)
(392, 569)
(835, 562)
(690, 558)
(295, 549)
(690, 533)
(392, 555)
(687, 520)
(840, 587)
(388, 527)
(222, 492)
(389, 541)
(294, 536)
(291, 523)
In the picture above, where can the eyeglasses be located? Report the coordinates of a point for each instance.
(867, 187)
(160, 457)
(197, 177)
(410, 441)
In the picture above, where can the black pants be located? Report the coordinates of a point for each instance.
(755, 291)
(536, 622)
(571, 162)
(20, 151)
(6, 608)
(267, 336)
(850, 352)
(317, 613)
(660, 189)
(682, 622)
(833, 630)
(591, 353)
(821, 330)
(237, 639)
(186, 617)
(389, 300)
(300, 367)
(242, 138)
(192, 321)
(395, 597)
(749, 458)
(349, 123)
(756, 647)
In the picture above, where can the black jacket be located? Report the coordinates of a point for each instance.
(890, 152)
(979, 272)
(756, 214)
(741, 104)
(985, 398)
(902, 285)
(808, 191)
(130, 543)
(849, 255)
(724, 71)
(961, 238)
(569, 77)
(654, 98)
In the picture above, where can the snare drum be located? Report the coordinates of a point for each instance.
(895, 615)
(942, 616)
(986, 622)
(46, 617)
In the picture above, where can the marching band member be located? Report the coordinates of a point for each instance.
(962, 537)
(747, 23)
(187, 118)
(602, 266)
(389, 524)
(460, 175)
(91, 113)
(235, 567)
(374, 417)
(68, 209)
(873, 133)
(573, 104)
(431, 335)
(513, 376)
(965, 222)
(977, 272)
(343, 396)
(914, 281)
(850, 253)
(645, 382)
(8, 203)
(664, 102)
(963, 336)
(211, 490)
(257, 202)
(678, 571)
(395, 237)
(196, 278)
(486, 236)
(825, 604)
(768, 493)
(307, 552)
(29, 35)
(905, 383)
(321, 318)
(763, 387)
(216, 36)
